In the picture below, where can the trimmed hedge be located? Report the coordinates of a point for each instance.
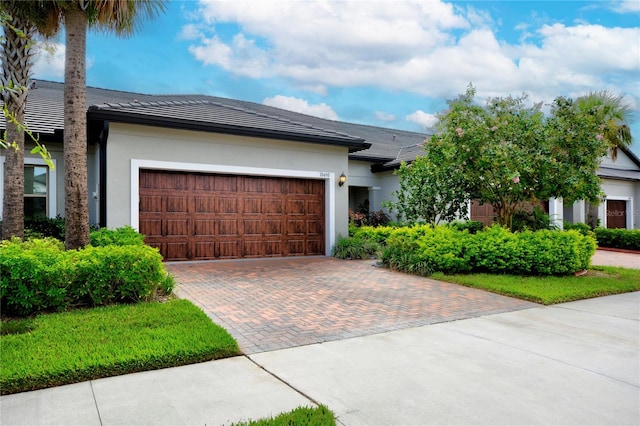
(424, 250)
(628, 239)
(40, 276)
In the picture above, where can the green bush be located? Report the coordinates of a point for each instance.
(124, 236)
(354, 248)
(582, 228)
(424, 250)
(473, 226)
(377, 234)
(618, 238)
(40, 276)
(43, 226)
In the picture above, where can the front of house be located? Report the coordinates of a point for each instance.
(212, 178)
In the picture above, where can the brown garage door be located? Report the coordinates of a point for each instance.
(197, 216)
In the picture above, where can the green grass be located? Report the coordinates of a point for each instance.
(599, 281)
(56, 349)
(301, 416)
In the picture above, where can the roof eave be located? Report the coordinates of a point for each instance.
(353, 144)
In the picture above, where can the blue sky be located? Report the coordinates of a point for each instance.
(386, 63)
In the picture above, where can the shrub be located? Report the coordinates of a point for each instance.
(354, 248)
(42, 226)
(39, 275)
(35, 276)
(117, 274)
(124, 236)
(378, 218)
(473, 226)
(618, 238)
(582, 228)
(424, 250)
(376, 234)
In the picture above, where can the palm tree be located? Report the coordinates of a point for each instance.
(614, 115)
(17, 60)
(121, 17)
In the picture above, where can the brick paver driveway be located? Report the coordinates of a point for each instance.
(281, 303)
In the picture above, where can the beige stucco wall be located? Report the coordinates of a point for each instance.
(128, 143)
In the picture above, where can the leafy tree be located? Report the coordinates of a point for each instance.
(615, 117)
(507, 153)
(429, 192)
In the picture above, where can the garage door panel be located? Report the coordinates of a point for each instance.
(177, 251)
(227, 228)
(315, 247)
(295, 207)
(252, 206)
(205, 250)
(179, 227)
(272, 206)
(204, 227)
(228, 250)
(204, 204)
(151, 203)
(208, 216)
(314, 227)
(151, 228)
(252, 227)
(226, 205)
(177, 204)
(296, 247)
(273, 227)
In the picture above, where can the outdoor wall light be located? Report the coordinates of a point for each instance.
(342, 179)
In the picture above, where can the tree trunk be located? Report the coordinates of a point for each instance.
(13, 198)
(75, 131)
(16, 66)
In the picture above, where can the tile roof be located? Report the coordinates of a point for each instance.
(45, 115)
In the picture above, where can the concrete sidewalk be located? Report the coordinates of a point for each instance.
(574, 363)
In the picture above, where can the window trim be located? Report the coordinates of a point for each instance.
(51, 181)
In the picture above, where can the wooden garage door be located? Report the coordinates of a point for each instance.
(197, 216)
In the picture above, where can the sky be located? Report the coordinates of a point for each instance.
(387, 63)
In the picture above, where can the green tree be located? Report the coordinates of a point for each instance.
(508, 153)
(615, 117)
(121, 17)
(429, 192)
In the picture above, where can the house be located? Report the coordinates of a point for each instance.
(205, 177)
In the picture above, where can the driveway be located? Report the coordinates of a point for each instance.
(288, 302)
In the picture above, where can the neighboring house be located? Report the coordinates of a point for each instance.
(211, 178)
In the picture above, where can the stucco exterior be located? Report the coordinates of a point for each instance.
(132, 147)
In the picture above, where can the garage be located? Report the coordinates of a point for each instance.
(203, 216)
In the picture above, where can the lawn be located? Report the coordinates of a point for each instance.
(62, 348)
(599, 281)
(301, 416)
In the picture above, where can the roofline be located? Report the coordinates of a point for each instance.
(95, 112)
(631, 155)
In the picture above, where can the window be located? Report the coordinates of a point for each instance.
(36, 183)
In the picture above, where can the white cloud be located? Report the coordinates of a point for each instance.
(424, 119)
(300, 105)
(384, 116)
(625, 6)
(49, 61)
(431, 48)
